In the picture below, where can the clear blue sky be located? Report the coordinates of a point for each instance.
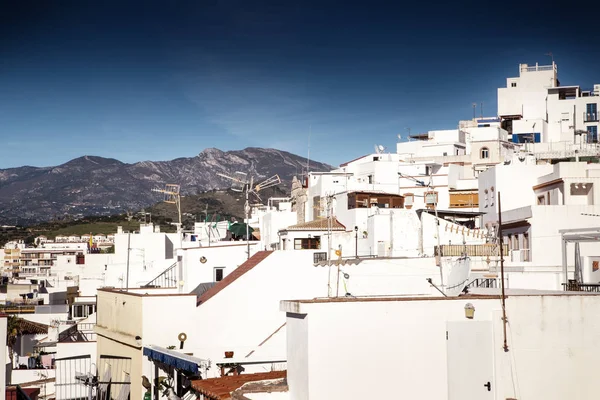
(146, 80)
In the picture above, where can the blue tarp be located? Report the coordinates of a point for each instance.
(172, 358)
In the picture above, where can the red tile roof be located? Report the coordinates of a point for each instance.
(239, 271)
(316, 225)
(221, 388)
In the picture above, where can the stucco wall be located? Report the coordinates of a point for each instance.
(403, 348)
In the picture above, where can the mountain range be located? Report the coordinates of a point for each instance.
(92, 185)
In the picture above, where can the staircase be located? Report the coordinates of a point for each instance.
(167, 278)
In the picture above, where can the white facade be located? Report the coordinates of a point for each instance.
(552, 113)
(428, 349)
(243, 315)
(537, 202)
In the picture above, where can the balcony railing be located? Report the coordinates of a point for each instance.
(590, 117)
(471, 250)
(574, 286)
(488, 283)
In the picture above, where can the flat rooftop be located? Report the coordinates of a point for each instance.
(482, 294)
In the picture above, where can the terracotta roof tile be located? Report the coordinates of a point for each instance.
(252, 262)
(316, 225)
(221, 388)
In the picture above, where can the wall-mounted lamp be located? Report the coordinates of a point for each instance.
(469, 311)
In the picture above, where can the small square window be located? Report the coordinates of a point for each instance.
(513, 84)
(219, 274)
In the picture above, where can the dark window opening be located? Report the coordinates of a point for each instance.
(219, 274)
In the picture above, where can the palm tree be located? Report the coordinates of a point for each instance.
(13, 331)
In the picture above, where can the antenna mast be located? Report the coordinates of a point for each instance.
(308, 155)
(248, 187)
(171, 192)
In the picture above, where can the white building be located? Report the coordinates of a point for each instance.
(535, 108)
(538, 203)
(240, 313)
(434, 348)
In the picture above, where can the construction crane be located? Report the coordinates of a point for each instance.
(242, 184)
(171, 192)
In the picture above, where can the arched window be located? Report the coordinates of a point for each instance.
(484, 152)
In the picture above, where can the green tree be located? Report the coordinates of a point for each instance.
(13, 331)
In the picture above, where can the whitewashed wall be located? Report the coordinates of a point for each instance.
(403, 347)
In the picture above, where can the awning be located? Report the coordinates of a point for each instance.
(174, 358)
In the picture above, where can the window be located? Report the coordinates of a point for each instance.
(485, 192)
(370, 179)
(591, 112)
(492, 196)
(409, 200)
(218, 274)
(83, 310)
(307, 243)
(445, 154)
(484, 153)
(513, 84)
(592, 134)
(541, 200)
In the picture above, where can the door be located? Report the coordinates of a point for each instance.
(470, 360)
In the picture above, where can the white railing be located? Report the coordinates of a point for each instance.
(555, 150)
(537, 67)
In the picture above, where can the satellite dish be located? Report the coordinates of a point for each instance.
(459, 276)
(379, 149)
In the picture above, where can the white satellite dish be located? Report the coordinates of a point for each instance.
(459, 276)
(379, 149)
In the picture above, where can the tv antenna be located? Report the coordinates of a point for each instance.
(171, 192)
(242, 184)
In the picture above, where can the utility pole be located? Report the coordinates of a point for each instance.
(501, 239)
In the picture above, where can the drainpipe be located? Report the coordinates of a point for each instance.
(180, 273)
(564, 262)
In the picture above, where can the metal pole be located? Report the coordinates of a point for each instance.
(439, 253)
(564, 262)
(246, 209)
(128, 251)
(356, 242)
(501, 238)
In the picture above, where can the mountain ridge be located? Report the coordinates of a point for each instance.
(94, 185)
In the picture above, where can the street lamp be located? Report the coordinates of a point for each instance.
(356, 241)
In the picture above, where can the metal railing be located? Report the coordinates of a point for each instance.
(167, 278)
(574, 286)
(83, 332)
(488, 283)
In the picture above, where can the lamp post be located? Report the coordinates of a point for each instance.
(355, 241)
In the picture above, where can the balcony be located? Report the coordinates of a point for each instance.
(472, 250)
(590, 117)
(574, 286)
